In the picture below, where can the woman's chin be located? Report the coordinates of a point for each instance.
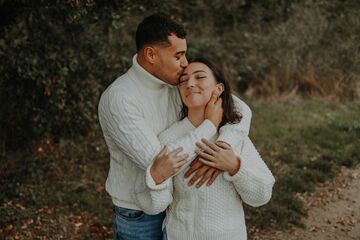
(196, 105)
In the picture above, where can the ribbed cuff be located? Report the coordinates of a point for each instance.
(150, 183)
(242, 174)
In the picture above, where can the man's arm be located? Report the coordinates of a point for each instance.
(132, 134)
(151, 197)
(235, 134)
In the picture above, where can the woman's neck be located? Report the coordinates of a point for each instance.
(196, 116)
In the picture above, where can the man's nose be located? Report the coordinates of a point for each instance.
(184, 62)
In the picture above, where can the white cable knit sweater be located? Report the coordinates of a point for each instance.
(133, 111)
(208, 213)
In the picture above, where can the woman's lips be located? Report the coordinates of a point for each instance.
(191, 93)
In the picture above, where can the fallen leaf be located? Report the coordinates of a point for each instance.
(21, 207)
(78, 224)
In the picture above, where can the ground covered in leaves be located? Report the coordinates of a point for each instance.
(54, 189)
(333, 212)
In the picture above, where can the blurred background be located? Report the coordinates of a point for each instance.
(296, 63)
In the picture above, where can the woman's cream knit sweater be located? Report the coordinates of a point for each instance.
(209, 213)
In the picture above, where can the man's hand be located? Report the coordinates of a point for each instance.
(166, 165)
(203, 171)
(214, 110)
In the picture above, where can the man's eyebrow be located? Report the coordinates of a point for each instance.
(180, 52)
(183, 74)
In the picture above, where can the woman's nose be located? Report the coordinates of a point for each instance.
(191, 83)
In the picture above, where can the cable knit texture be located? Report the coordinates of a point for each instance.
(208, 213)
(133, 110)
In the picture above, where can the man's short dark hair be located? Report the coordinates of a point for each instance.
(156, 28)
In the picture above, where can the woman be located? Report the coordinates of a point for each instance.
(214, 212)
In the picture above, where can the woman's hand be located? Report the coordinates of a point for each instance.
(166, 165)
(218, 155)
(214, 111)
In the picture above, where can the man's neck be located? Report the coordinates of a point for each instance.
(145, 65)
(196, 116)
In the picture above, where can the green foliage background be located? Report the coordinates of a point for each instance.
(57, 56)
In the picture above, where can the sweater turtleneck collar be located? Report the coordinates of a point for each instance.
(146, 78)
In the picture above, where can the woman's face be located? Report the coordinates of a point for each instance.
(197, 84)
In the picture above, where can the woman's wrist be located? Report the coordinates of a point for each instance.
(235, 167)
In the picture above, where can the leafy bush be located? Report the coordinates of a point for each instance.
(57, 57)
(55, 60)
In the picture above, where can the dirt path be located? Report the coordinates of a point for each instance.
(333, 212)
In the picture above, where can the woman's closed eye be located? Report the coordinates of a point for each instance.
(200, 76)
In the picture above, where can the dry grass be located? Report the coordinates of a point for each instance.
(284, 83)
(55, 190)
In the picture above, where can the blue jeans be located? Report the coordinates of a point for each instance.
(164, 235)
(132, 224)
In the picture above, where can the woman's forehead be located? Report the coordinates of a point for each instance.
(197, 67)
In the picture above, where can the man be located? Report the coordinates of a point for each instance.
(139, 105)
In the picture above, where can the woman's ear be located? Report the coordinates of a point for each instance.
(220, 88)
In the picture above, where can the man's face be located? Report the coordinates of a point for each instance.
(171, 60)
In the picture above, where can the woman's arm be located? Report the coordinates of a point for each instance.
(254, 181)
(232, 135)
(248, 172)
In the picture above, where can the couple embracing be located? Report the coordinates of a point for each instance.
(181, 161)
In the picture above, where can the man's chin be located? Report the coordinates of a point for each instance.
(173, 82)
